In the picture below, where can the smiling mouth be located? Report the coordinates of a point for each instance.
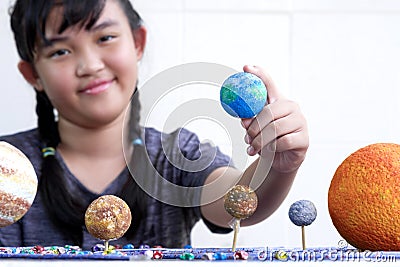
(96, 87)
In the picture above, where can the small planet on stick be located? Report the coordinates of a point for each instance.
(108, 218)
(240, 202)
(302, 213)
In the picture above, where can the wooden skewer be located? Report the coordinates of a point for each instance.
(303, 237)
(235, 234)
(106, 246)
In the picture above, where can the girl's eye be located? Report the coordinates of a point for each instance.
(106, 38)
(59, 53)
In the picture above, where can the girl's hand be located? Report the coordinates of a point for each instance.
(279, 127)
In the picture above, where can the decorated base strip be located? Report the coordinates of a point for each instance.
(210, 254)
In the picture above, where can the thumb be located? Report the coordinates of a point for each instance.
(272, 91)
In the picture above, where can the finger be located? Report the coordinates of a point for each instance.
(263, 118)
(246, 122)
(254, 126)
(272, 91)
(276, 130)
(266, 136)
(271, 112)
(293, 141)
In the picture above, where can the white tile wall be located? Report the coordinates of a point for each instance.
(338, 58)
(238, 5)
(345, 67)
(236, 39)
(164, 41)
(353, 6)
(17, 111)
(158, 5)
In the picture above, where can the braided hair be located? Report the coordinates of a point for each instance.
(28, 20)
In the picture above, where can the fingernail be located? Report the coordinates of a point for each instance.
(247, 139)
(271, 147)
(250, 150)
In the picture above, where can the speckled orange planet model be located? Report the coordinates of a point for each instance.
(18, 184)
(108, 217)
(364, 198)
(240, 202)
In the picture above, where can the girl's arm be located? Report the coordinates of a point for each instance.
(279, 135)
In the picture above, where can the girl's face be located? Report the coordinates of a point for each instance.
(89, 75)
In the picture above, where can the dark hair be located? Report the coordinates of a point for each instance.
(28, 20)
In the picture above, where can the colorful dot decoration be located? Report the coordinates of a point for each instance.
(129, 253)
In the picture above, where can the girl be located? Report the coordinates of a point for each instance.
(81, 58)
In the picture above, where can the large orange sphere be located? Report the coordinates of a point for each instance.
(364, 198)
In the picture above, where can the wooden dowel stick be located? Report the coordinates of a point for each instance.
(303, 237)
(106, 246)
(235, 234)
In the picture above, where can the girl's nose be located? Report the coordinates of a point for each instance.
(89, 63)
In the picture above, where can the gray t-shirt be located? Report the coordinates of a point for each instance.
(166, 225)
